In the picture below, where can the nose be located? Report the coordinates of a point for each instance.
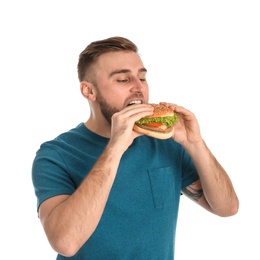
(137, 86)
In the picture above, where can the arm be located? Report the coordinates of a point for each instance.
(64, 217)
(214, 190)
(69, 220)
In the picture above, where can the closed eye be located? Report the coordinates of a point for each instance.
(128, 80)
(123, 80)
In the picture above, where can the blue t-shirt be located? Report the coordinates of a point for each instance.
(140, 217)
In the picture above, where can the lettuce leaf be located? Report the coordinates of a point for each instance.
(167, 120)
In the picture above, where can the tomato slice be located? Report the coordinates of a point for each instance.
(153, 124)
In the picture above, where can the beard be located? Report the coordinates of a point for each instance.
(106, 110)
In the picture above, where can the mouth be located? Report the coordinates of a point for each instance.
(135, 102)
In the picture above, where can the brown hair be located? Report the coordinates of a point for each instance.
(90, 54)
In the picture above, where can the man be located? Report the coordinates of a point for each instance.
(107, 192)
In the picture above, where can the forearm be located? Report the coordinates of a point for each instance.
(73, 221)
(216, 184)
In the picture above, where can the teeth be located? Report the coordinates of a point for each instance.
(135, 102)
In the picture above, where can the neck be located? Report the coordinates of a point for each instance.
(100, 127)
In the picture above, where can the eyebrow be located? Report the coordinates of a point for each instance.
(125, 71)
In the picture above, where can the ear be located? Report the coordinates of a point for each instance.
(88, 91)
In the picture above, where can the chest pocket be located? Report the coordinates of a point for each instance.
(165, 187)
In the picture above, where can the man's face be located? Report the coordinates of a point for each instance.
(121, 81)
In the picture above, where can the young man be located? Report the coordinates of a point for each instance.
(105, 191)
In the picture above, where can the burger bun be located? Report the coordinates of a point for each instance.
(156, 134)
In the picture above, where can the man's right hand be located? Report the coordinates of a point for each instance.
(122, 133)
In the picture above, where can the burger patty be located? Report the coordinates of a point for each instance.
(161, 129)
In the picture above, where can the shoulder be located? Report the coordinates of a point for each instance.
(70, 137)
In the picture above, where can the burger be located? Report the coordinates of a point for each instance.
(158, 125)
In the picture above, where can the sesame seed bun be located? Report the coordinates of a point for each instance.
(161, 111)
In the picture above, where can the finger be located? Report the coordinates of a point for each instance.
(182, 110)
(175, 107)
(171, 105)
(135, 112)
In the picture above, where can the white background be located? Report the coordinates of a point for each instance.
(205, 53)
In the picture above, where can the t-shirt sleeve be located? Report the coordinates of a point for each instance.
(50, 175)
(189, 172)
